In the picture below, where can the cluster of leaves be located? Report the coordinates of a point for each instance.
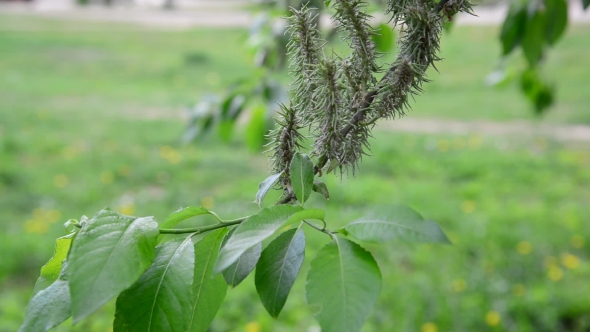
(180, 284)
(533, 26)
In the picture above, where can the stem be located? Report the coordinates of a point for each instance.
(316, 227)
(202, 229)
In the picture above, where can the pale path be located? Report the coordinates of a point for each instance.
(521, 128)
(212, 13)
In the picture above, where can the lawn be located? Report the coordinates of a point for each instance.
(91, 116)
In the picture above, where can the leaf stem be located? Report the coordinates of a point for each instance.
(323, 230)
(202, 229)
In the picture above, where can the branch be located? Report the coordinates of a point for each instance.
(202, 229)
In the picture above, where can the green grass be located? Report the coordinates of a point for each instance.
(89, 117)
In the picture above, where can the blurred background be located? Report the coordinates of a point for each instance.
(106, 103)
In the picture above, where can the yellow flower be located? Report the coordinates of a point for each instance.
(555, 273)
(60, 180)
(128, 209)
(459, 285)
(570, 261)
(253, 327)
(524, 247)
(170, 154)
(493, 318)
(36, 226)
(475, 142)
(53, 216)
(468, 206)
(107, 177)
(444, 145)
(429, 327)
(208, 202)
(577, 241)
(518, 290)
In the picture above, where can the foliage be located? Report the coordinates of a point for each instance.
(169, 287)
(534, 26)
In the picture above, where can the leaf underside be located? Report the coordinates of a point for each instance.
(398, 222)
(253, 231)
(265, 186)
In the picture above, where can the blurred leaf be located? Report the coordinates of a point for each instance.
(398, 222)
(343, 283)
(321, 188)
(448, 26)
(544, 99)
(327, 3)
(256, 129)
(383, 38)
(51, 270)
(534, 37)
(208, 289)
(556, 19)
(513, 28)
(253, 231)
(277, 269)
(48, 308)
(99, 260)
(225, 130)
(585, 4)
(301, 170)
(501, 77)
(183, 214)
(232, 107)
(159, 300)
(265, 186)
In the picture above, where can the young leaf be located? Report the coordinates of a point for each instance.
(398, 222)
(208, 288)
(110, 253)
(533, 39)
(160, 300)
(265, 186)
(240, 269)
(344, 282)
(48, 308)
(252, 231)
(278, 268)
(301, 170)
(383, 38)
(513, 28)
(51, 270)
(183, 214)
(556, 20)
(321, 188)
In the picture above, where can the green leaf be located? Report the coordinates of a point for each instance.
(160, 300)
(48, 308)
(383, 38)
(240, 269)
(253, 231)
(265, 186)
(398, 222)
(301, 176)
(51, 270)
(321, 188)
(343, 283)
(110, 253)
(208, 289)
(256, 129)
(183, 214)
(556, 20)
(277, 269)
(513, 28)
(585, 4)
(327, 3)
(534, 37)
